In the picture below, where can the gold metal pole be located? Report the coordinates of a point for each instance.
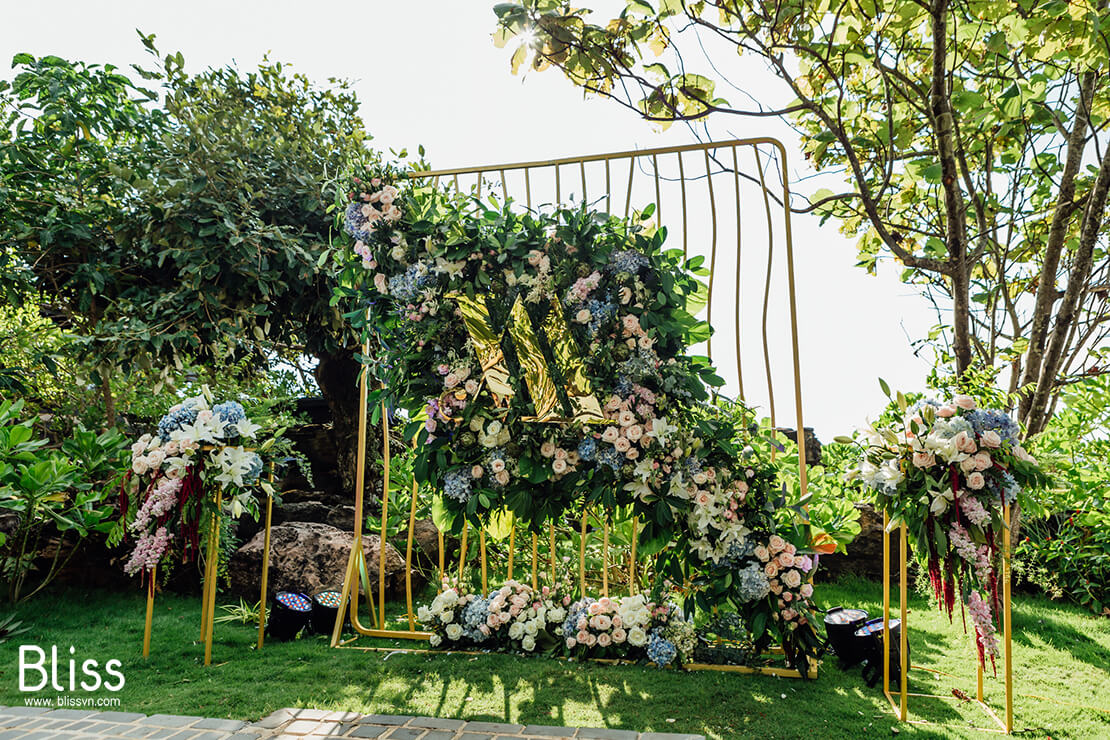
(265, 566)
(605, 557)
(535, 560)
(149, 611)
(408, 556)
(551, 552)
(462, 549)
(736, 308)
(351, 580)
(803, 470)
(211, 611)
(886, 605)
(712, 253)
(582, 556)
(1007, 630)
(512, 546)
(482, 556)
(442, 554)
(385, 513)
(682, 185)
(632, 585)
(903, 629)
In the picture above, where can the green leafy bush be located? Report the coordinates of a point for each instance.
(58, 496)
(1065, 545)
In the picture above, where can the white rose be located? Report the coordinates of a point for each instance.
(434, 640)
(424, 614)
(516, 631)
(447, 616)
(637, 637)
(454, 631)
(528, 643)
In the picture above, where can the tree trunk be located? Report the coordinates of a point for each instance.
(337, 374)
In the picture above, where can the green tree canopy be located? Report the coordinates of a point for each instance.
(969, 136)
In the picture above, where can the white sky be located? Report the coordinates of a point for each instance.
(427, 73)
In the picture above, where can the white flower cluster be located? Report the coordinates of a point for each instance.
(715, 517)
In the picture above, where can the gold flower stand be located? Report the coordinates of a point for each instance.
(900, 706)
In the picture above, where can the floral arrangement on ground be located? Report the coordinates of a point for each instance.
(947, 470)
(164, 506)
(542, 362)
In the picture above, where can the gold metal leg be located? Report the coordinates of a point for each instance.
(1007, 631)
(632, 585)
(265, 569)
(149, 611)
(903, 628)
(582, 557)
(535, 560)
(886, 605)
(210, 583)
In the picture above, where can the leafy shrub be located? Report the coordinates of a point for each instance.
(55, 494)
(1065, 545)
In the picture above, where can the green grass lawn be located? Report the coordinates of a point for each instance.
(1062, 676)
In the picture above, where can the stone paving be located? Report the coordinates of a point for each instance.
(40, 723)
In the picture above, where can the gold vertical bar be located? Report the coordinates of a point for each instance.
(736, 317)
(658, 199)
(1007, 628)
(978, 669)
(788, 235)
(462, 549)
(582, 556)
(558, 186)
(605, 557)
(482, 554)
(633, 587)
(349, 600)
(442, 555)
(628, 196)
(582, 170)
(408, 556)
(478, 194)
(215, 576)
(149, 611)
(527, 188)
(456, 181)
(512, 546)
(886, 604)
(712, 252)
(682, 184)
(385, 513)
(903, 628)
(767, 304)
(504, 187)
(535, 560)
(551, 553)
(265, 565)
(608, 191)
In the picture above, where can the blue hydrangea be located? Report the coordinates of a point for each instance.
(355, 224)
(456, 484)
(609, 456)
(574, 612)
(408, 285)
(1006, 489)
(230, 413)
(628, 261)
(737, 553)
(660, 651)
(601, 312)
(587, 449)
(983, 420)
(175, 420)
(254, 470)
(623, 386)
(751, 583)
(474, 616)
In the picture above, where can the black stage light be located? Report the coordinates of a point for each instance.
(325, 608)
(841, 625)
(869, 638)
(288, 615)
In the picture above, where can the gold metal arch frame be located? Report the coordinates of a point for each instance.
(1005, 724)
(648, 174)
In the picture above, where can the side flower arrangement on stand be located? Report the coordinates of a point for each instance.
(946, 470)
(164, 504)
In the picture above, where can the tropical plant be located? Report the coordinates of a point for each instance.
(57, 496)
(966, 141)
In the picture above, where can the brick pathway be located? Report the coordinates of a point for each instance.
(35, 723)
